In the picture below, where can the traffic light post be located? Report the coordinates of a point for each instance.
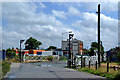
(69, 60)
(20, 55)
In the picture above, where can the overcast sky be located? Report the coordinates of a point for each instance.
(46, 21)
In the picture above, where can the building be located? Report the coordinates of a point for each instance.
(76, 47)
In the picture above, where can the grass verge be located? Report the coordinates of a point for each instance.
(97, 72)
(5, 68)
(100, 73)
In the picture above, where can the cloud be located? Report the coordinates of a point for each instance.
(88, 29)
(42, 5)
(73, 11)
(60, 14)
(105, 6)
(92, 6)
(23, 21)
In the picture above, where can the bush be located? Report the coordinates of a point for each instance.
(10, 53)
(63, 58)
(50, 58)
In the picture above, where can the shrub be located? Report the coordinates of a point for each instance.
(50, 58)
(63, 58)
(10, 54)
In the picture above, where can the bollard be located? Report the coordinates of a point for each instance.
(89, 64)
(84, 62)
(81, 61)
(107, 66)
(3, 55)
(96, 65)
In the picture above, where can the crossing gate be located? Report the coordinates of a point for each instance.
(30, 58)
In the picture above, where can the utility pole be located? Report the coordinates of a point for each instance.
(98, 34)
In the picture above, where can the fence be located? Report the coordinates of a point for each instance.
(92, 59)
(92, 62)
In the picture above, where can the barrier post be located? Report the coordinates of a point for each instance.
(107, 66)
(96, 65)
(81, 60)
(89, 64)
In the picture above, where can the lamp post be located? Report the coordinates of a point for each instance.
(21, 41)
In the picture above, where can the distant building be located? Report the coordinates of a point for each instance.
(76, 47)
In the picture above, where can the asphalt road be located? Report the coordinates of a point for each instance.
(46, 70)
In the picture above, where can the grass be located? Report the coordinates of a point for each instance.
(64, 60)
(5, 68)
(13, 60)
(101, 71)
(5, 65)
(111, 64)
(0, 69)
(97, 72)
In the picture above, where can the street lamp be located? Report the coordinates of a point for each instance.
(21, 41)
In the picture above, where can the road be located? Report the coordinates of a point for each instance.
(46, 70)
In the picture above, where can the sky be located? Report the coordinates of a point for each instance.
(46, 21)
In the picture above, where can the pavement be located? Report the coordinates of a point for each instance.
(46, 70)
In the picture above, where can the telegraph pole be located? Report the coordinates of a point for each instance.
(98, 34)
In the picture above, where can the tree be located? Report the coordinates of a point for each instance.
(91, 52)
(32, 43)
(94, 46)
(51, 48)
